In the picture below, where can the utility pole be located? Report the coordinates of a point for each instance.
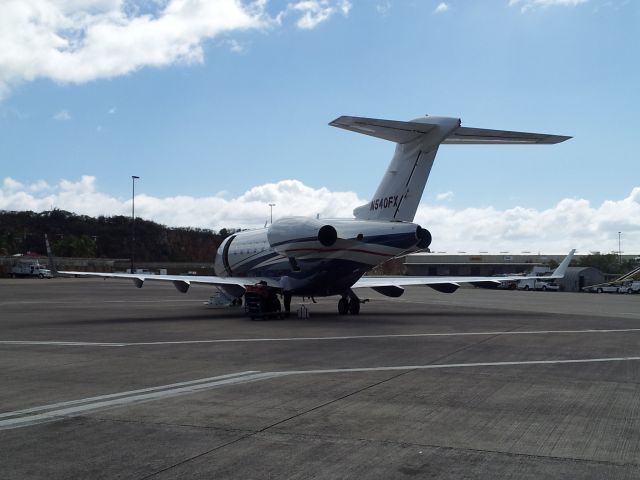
(619, 249)
(271, 205)
(133, 218)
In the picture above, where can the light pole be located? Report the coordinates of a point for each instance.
(619, 249)
(271, 205)
(133, 218)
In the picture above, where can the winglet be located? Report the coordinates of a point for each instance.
(562, 268)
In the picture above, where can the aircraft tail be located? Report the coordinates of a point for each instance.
(52, 264)
(400, 190)
(561, 270)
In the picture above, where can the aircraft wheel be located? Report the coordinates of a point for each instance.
(354, 307)
(526, 287)
(343, 306)
(544, 288)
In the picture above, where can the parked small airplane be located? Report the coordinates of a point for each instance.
(299, 256)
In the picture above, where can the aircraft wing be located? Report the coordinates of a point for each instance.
(392, 286)
(182, 282)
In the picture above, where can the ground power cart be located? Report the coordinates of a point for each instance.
(262, 303)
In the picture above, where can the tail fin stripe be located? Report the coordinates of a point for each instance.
(415, 164)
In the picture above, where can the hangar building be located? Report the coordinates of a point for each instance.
(578, 277)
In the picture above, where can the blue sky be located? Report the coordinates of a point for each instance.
(248, 104)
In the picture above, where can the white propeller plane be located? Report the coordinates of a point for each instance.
(300, 256)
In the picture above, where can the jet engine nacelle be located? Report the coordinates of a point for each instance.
(284, 234)
(300, 236)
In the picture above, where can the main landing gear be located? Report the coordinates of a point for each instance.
(349, 303)
(287, 303)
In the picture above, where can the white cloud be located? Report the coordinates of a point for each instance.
(383, 8)
(62, 116)
(76, 41)
(441, 197)
(112, 111)
(531, 4)
(9, 184)
(39, 186)
(441, 8)
(568, 224)
(235, 46)
(250, 209)
(315, 12)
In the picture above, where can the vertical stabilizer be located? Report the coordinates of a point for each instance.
(52, 263)
(400, 190)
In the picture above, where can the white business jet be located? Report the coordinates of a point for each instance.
(300, 256)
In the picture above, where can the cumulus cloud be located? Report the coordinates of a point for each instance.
(571, 223)
(62, 116)
(76, 41)
(441, 8)
(248, 210)
(315, 12)
(441, 197)
(531, 4)
(383, 8)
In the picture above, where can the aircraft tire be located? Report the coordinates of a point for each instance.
(343, 306)
(354, 307)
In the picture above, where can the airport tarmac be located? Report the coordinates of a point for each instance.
(103, 380)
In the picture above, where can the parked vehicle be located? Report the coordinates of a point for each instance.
(30, 270)
(262, 302)
(508, 285)
(548, 286)
(631, 286)
(604, 288)
(535, 284)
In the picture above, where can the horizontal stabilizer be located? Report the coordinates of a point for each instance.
(392, 130)
(474, 136)
(405, 132)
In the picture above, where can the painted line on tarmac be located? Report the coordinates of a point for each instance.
(83, 304)
(313, 339)
(464, 365)
(61, 344)
(62, 410)
(400, 335)
(58, 411)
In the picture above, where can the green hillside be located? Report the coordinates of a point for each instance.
(74, 235)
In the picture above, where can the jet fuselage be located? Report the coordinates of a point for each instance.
(317, 258)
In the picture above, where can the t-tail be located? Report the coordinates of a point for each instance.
(417, 142)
